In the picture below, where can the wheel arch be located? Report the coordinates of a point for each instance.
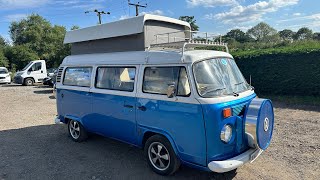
(147, 133)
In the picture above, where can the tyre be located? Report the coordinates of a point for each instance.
(161, 156)
(77, 131)
(28, 82)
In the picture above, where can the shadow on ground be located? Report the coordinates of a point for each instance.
(46, 152)
(49, 91)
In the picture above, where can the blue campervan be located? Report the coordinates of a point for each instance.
(181, 104)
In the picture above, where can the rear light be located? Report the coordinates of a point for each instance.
(227, 112)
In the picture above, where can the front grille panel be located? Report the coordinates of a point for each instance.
(239, 109)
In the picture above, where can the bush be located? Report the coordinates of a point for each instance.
(293, 70)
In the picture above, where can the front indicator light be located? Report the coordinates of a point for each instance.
(227, 112)
(226, 133)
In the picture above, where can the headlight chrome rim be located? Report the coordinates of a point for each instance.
(226, 133)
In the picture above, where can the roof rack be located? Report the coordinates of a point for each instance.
(170, 42)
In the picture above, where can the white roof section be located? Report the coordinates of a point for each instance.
(124, 27)
(142, 57)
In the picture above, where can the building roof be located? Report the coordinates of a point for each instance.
(124, 27)
(142, 57)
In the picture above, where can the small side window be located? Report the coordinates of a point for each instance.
(158, 79)
(116, 78)
(78, 76)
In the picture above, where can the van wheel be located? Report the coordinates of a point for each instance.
(77, 131)
(161, 156)
(28, 82)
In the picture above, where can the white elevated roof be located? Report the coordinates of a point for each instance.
(142, 57)
(124, 27)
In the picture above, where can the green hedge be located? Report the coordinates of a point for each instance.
(282, 72)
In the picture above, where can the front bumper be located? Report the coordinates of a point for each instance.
(18, 80)
(235, 162)
(57, 120)
(5, 80)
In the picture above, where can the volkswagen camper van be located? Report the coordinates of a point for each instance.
(181, 105)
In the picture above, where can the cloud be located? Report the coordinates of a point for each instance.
(19, 4)
(250, 13)
(211, 3)
(15, 17)
(296, 14)
(155, 12)
(314, 17)
(124, 17)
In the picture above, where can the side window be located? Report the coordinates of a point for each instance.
(116, 78)
(78, 76)
(157, 80)
(36, 67)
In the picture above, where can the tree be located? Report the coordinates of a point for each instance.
(2, 41)
(19, 56)
(304, 34)
(316, 36)
(286, 34)
(41, 38)
(261, 31)
(238, 35)
(191, 20)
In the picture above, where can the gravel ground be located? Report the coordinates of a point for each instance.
(32, 147)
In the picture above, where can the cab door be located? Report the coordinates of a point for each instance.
(36, 71)
(114, 103)
(179, 117)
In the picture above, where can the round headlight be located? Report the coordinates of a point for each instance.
(226, 133)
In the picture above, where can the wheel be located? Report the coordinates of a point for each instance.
(161, 156)
(28, 82)
(77, 131)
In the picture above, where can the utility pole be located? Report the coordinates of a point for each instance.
(137, 7)
(99, 13)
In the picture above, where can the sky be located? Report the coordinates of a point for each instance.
(216, 16)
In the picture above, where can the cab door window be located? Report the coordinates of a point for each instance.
(158, 79)
(36, 67)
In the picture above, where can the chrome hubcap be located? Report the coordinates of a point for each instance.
(74, 129)
(159, 156)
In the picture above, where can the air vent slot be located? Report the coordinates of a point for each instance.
(59, 74)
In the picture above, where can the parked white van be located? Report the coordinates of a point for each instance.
(180, 104)
(4, 75)
(32, 73)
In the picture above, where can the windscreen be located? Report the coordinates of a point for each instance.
(219, 77)
(27, 66)
(3, 71)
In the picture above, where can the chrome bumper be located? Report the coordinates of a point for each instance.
(235, 162)
(57, 121)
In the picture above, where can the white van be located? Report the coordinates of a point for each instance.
(4, 75)
(34, 72)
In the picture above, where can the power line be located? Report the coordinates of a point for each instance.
(137, 5)
(99, 13)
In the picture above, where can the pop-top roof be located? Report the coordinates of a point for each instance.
(124, 27)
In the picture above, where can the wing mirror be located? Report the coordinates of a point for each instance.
(171, 92)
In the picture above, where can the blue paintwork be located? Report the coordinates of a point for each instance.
(111, 118)
(75, 105)
(181, 121)
(264, 137)
(192, 129)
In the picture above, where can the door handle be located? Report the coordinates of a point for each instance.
(142, 108)
(41, 71)
(128, 106)
(62, 95)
